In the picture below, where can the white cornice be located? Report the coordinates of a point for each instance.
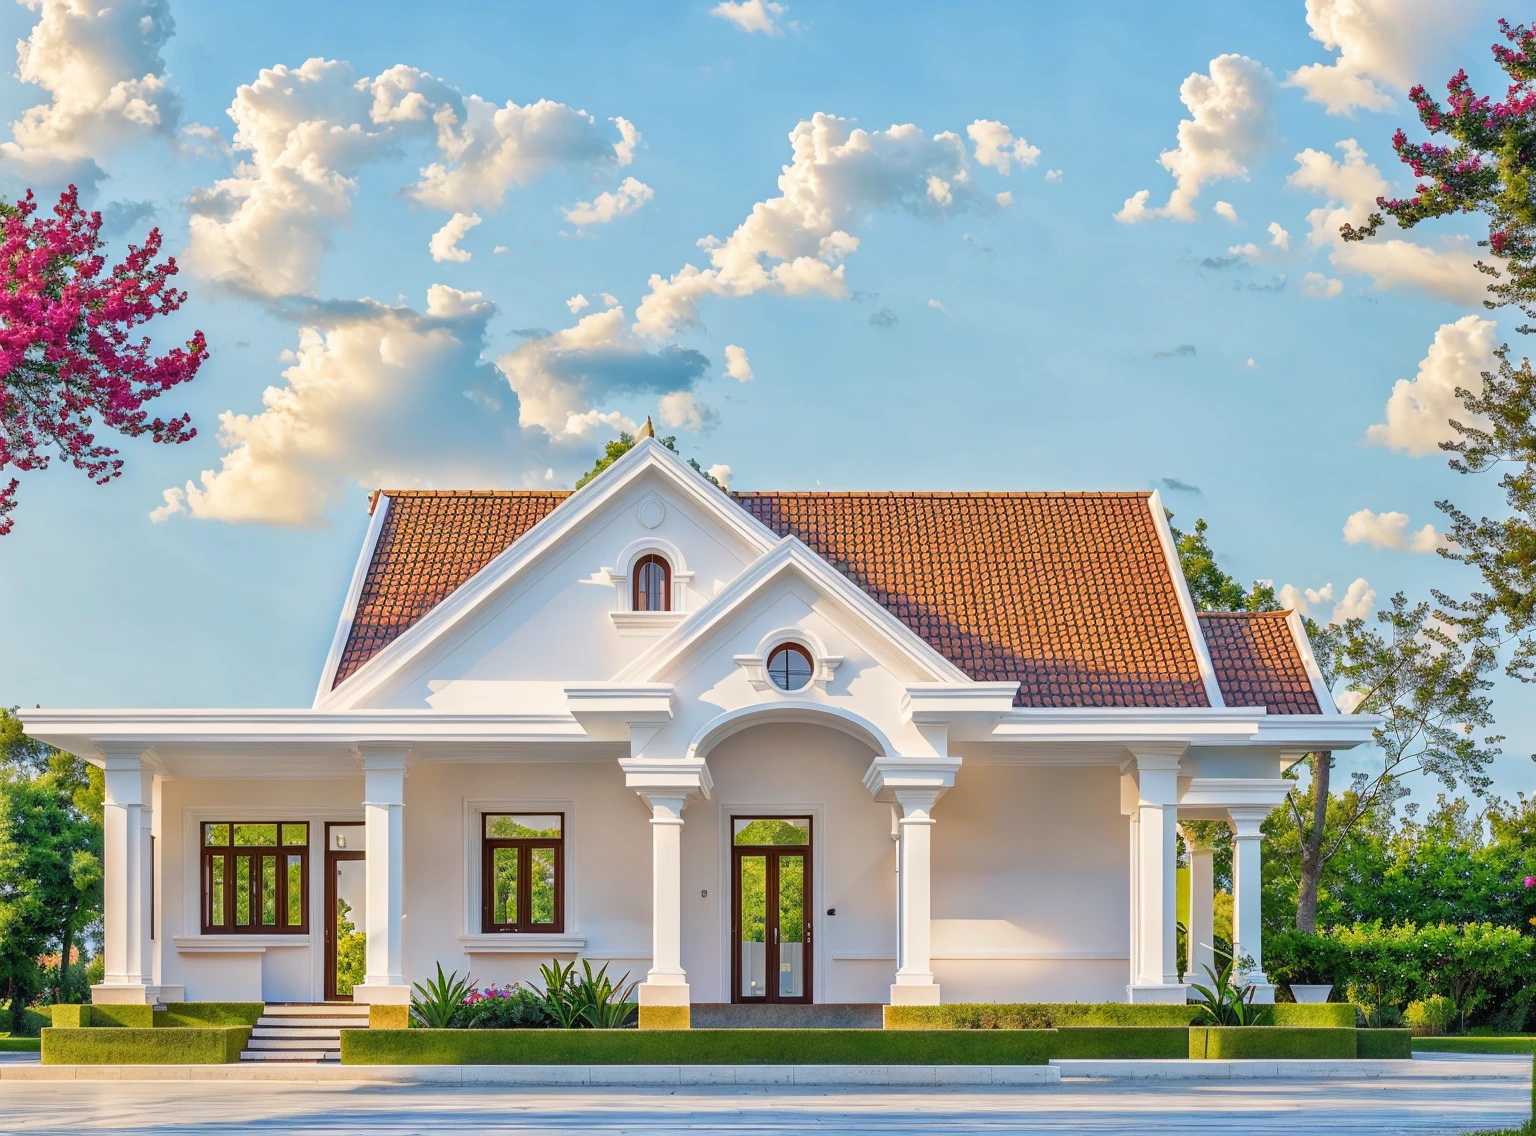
(1186, 601)
(1234, 792)
(1320, 689)
(925, 702)
(1126, 725)
(354, 593)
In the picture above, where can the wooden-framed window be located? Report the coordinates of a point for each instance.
(522, 872)
(255, 877)
(790, 666)
(653, 584)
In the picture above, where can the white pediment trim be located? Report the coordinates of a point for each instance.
(648, 456)
(1180, 585)
(790, 557)
(354, 593)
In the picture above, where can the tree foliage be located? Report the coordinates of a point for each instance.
(625, 442)
(1210, 587)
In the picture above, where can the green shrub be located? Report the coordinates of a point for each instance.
(128, 1045)
(1431, 1016)
(1525, 1044)
(1335, 1015)
(1223, 1002)
(435, 1004)
(1121, 1043)
(10, 1044)
(123, 1017)
(1226, 1043)
(1034, 1015)
(1379, 1044)
(71, 1017)
(1296, 957)
(180, 1015)
(591, 1001)
(510, 1008)
(696, 1047)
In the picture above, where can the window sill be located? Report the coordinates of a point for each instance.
(236, 944)
(645, 622)
(513, 943)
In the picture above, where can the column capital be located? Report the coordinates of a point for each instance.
(888, 777)
(1247, 819)
(384, 756)
(685, 778)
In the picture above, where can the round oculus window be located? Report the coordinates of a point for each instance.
(789, 666)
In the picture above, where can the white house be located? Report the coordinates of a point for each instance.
(774, 747)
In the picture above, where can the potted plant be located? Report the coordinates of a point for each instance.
(1305, 963)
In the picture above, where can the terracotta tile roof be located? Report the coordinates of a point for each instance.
(1068, 594)
(1257, 661)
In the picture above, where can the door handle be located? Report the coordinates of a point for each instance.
(775, 936)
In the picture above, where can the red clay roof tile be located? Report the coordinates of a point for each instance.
(1257, 661)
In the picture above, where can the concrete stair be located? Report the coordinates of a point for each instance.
(307, 1033)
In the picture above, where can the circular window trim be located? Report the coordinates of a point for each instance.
(790, 647)
(756, 664)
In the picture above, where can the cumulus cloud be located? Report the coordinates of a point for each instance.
(605, 207)
(1419, 410)
(751, 15)
(680, 410)
(1316, 286)
(736, 363)
(306, 133)
(997, 147)
(1357, 602)
(102, 67)
(1249, 251)
(444, 244)
(118, 217)
(1383, 46)
(563, 379)
(1390, 530)
(374, 395)
(938, 306)
(1351, 186)
(577, 302)
(1278, 236)
(1226, 211)
(1229, 126)
(795, 244)
(1053, 175)
(721, 473)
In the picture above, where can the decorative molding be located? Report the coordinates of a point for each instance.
(1180, 586)
(237, 944)
(651, 511)
(677, 567)
(512, 943)
(631, 623)
(470, 826)
(823, 664)
(1320, 689)
(354, 593)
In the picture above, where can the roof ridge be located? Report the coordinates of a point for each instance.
(476, 492)
(1281, 613)
(946, 493)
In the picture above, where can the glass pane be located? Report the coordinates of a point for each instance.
(242, 891)
(772, 830)
(269, 891)
(295, 834)
(351, 942)
(503, 827)
(347, 837)
(215, 835)
(541, 878)
(504, 885)
(791, 926)
(754, 914)
(789, 667)
(256, 835)
(216, 893)
(295, 891)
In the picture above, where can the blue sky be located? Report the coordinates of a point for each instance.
(1039, 343)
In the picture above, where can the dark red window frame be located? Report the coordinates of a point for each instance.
(649, 594)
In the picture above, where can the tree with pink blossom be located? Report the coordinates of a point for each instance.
(70, 363)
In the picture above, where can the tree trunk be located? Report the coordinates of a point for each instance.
(1312, 845)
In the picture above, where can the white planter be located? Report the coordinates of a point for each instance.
(1311, 994)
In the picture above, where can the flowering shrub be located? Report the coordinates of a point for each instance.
(67, 356)
(503, 1007)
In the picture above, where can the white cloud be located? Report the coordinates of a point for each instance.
(1419, 410)
(997, 147)
(721, 473)
(680, 410)
(937, 305)
(1004, 199)
(1352, 187)
(1226, 211)
(1053, 175)
(375, 395)
(1383, 46)
(499, 250)
(1358, 601)
(563, 380)
(1249, 250)
(1278, 236)
(577, 302)
(1251, 365)
(736, 363)
(751, 15)
(631, 194)
(1229, 126)
(1316, 286)
(795, 244)
(444, 244)
(1390, 531)
(609, 300)
(102, 67)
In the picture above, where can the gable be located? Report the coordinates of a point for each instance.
(1258, 661)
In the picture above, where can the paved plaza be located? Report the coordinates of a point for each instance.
(1453, 1103)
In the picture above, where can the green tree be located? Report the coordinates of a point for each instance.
(625, 442)
(1211, 588)
(351, 951)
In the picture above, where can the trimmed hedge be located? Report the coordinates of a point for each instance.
(20, 1044)
(1121, 1043)
(127, 1045)
(1328, 1015)
(1510, 1043)
(1378, 1044)
(123, 1017)
(71, 1017)
(388, 1016)
(1034, 1015)
(1227, 1043)
(696, 1047)
(180, 1015)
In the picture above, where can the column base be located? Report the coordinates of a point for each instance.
(1263, 992)
(664, 1005)
(382, 994)
(1158, 994)
(915, 994)
(123, 994)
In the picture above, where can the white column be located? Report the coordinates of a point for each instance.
(1200, 937)
(384, 772)
(1155, 911)
(914, 985)
(666, 983)
(126, 814)
(1247, 895)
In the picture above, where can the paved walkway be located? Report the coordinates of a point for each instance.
(1451, 1104)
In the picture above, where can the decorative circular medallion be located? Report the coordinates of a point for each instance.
(652, 512)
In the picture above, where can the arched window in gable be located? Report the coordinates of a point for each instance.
(653, 584)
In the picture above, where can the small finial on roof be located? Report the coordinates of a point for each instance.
(646, 431)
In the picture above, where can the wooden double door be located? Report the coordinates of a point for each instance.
(771, 910)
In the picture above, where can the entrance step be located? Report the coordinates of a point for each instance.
(303, 1033)
(826, 1015)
